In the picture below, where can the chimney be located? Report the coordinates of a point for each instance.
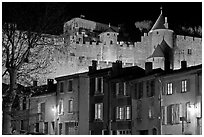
(166, 65)
(116, 67)
(148, 67)
(119, 64)
(166, 23)
(35, 83)
(94, 65)
(183, 64)
(50, 83)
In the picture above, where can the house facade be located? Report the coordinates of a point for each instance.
(145, 102)
(110, 99)
(181, 101)
(72, 104)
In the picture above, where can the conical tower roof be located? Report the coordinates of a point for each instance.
(159, 24)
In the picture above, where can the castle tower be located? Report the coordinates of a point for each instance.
(109, 36)
(161, 44)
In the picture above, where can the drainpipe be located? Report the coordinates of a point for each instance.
(160, 104)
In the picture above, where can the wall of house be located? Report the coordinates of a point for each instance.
(180, 98)
(66, 96)
(145, 122)
(50, 116)
(83, 105)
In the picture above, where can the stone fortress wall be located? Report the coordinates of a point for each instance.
(79, 54)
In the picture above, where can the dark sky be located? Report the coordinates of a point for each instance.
(179, 13)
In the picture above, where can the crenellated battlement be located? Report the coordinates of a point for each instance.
(188, 38)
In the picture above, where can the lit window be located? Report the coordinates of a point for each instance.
(70, 86)
(60, 107)
(99, 111)
(183, 86)
(169, 89)
(128, 112)
(123, 113)
(99, 85)
(70, 106)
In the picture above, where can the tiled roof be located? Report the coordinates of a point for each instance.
(162, 50)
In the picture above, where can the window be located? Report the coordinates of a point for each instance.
(111, 42)
(128, 113)
(61, 87)
(151, 112)
(99, 111)
(70, 86)
(60, 128)
(60, 107)
(189, 51)
(121, 88)
(41, 111)
(188, 112)
(124, 132)
(184, 86)
(173, 114)
(169, 88)
(70, 106)
(123, 113)
(99, 85)
(46, 128)
(108, 34)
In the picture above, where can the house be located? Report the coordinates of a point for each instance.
(181, 101)
(41, 108)
(145, 102)
(72, 113)
(110, 100)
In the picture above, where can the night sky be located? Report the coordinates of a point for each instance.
(127, 13)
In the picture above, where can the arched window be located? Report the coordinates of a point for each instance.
(154, 131)
(111, 42)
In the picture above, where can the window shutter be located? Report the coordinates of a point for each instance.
(101, 84)
(188, 85)
(92, 86)
(136, 90)
(117, 112)
(96, 111)
(96, 85)
(165, 89)
(124, 88)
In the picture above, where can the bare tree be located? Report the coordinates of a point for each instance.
(26, 53)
